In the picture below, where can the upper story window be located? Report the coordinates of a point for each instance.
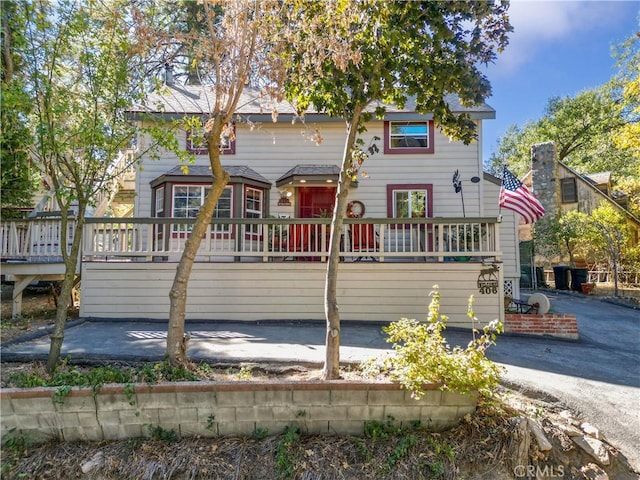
(197, 145)
(409, 201)
(569, 190)
(408, 137)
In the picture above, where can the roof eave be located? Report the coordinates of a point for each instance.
(314, 117)
(172, 178)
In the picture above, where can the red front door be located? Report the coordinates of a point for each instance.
(316, 202)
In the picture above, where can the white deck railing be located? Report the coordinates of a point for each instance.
(435, 239)
(156, 239)
(35, 239)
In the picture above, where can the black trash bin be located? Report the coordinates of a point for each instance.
(540, 277)
(525, 277)
(578, 277)
(561, 277)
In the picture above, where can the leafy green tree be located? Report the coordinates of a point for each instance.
(556, 237)
(352, 55)
(78, 58)
(169, 32)
(514, 150)
(18, 177)
(582, 129)
(607, 236)
(630, 186)
(626, 87)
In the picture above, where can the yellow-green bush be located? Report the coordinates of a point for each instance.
(422, 355)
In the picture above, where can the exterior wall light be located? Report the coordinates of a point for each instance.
(285, 196)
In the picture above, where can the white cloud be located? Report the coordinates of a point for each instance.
(537, 25)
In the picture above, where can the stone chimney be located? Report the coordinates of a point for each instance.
(544, 173)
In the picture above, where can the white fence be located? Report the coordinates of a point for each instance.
(602, 276)
(35, 240)
(434, 239)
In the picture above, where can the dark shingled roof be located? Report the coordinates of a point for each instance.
(599, 178)
(312, 170)
(205, 171)
(309, 172)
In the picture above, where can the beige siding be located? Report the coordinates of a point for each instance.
(260, 291)
(367, 291)
(272, 149)
(508, 229)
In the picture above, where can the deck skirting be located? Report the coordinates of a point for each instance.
(367, 291)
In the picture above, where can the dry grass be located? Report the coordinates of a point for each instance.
(38, 313)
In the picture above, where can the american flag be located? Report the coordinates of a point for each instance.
(517, 197)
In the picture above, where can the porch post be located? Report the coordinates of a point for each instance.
(21, 282)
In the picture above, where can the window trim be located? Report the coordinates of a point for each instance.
(570, 196)
(429, 149)
(245, 210)
(230, 150)
(203, 187)
(159, 201)
(392, 187)
(189, 186)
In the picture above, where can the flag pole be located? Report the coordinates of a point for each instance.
(499, 202)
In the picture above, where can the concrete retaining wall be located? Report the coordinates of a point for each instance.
(551, 324)
(210, 409)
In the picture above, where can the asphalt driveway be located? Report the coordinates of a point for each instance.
(598, 375)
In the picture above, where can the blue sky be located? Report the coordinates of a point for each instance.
(557, 48)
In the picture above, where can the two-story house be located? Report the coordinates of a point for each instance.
(263, 257)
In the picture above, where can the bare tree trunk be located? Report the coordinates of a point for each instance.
(70, 263)
(613, 241)
(331, 368)
(176, 340)
(572, 262)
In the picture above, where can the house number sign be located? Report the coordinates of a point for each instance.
(488, 280)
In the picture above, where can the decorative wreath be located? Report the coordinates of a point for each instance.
(355, 209)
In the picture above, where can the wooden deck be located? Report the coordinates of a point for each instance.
(265, 268)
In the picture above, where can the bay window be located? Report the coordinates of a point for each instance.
(187, 200)
(253, 208)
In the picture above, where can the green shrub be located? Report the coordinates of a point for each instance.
(285, 456)
(14, 446)
(162, 434)
(259, 433)
(68, 375)
(422, 355)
